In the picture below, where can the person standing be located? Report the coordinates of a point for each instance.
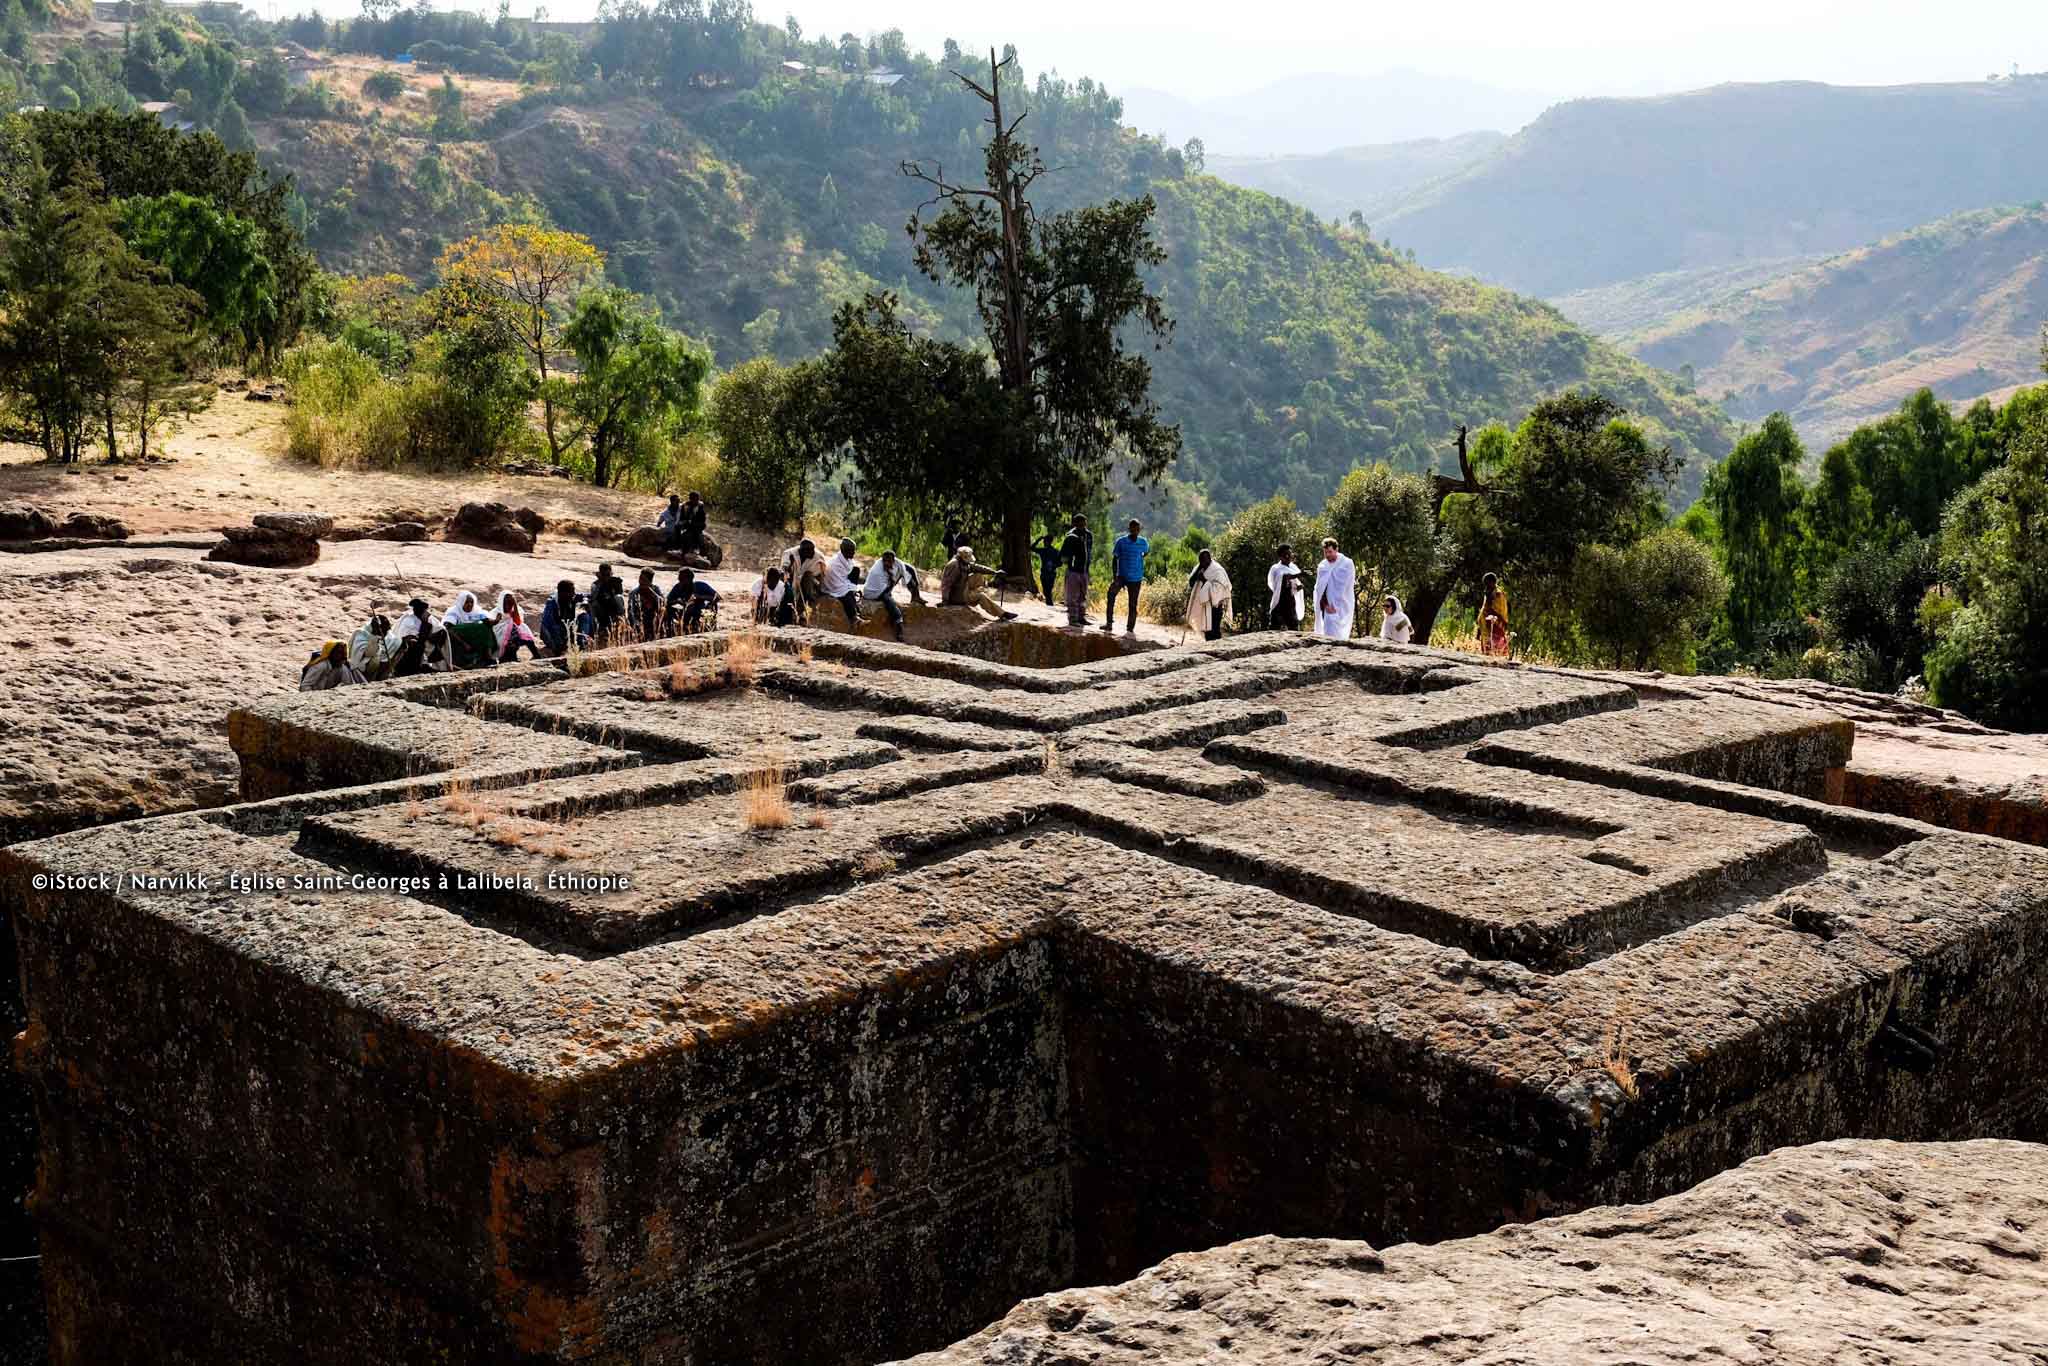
(1493, 616)
(1394, 623)
(1336, 592)
(884, 579)
(1126, 573)
(1283, 582)
(1208, 597)
(1076, 551)
(951, 540)
(1048, 552)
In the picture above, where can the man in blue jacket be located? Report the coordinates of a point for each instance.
(1126, 573)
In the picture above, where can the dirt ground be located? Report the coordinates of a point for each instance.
(119, 665)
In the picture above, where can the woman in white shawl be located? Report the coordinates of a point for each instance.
(463, 610)
(1208, 597)
(1336, 593)
(1394, 625)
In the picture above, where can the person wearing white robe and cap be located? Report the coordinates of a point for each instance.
(1208, 597)
(1336, 593)
(1394, 624)
(1285, 607)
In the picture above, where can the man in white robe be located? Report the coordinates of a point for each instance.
(1208, 597)
(1286, 605)
(1336, 593)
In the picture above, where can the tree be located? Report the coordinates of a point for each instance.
(1756, 495)
(1651, 600)
(52, 349)
(1056, 298)
(1992, 658)
(1573, 474)
(638, 382)
(446, 102)
(533, 274)
(763, 466)
(218, 256)
(1386, 523)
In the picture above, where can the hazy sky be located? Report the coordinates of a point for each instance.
(1563, 47)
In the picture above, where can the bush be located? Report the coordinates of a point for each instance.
(761, 473)
(1871, 603)
(384, 86)
(1166, 598)
(450, 413)
(1977, 669)
(1650, 602)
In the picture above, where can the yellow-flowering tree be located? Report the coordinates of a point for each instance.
(531, 275)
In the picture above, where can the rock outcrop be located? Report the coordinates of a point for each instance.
(26, 522)
(277, 540)
(1904, 1254)
(496, 526)
(650, 543)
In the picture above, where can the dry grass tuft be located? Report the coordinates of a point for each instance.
(874, 863)
(1055, 760)
(1616, 1062)
(765, 804)
(819, 818)
(744, 654)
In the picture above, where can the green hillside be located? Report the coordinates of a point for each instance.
(1955, 307)
(1364, 180)
(1606, 190)
(748, 179)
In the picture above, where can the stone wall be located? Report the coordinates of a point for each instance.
(1040, 975)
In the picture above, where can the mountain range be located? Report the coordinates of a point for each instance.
(1314, 112)
(1956, 306)
(1599, 191)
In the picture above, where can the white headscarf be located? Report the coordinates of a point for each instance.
(1395, 625)
(458, 615)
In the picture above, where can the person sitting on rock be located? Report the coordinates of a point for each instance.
(687, 602)
(424, 647)
(329, 668)
(839, 583)
(513, 632)
(472, 633)
(670, 523)
(803, 569)
(644, 608)
(562, 615)
(774, 604)
(692, 523)
(372, 648)
(957, 587)
(884, 579)
(607, 605)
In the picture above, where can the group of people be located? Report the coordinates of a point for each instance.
(793, 590)
(469, 635)
(1335, 590)
(683, 523)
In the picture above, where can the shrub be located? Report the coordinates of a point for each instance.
(384, 86)
(1649, 602)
